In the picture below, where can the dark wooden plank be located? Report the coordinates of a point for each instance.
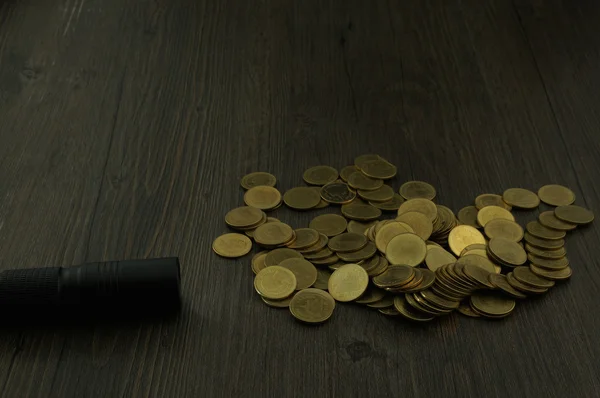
(163, 106)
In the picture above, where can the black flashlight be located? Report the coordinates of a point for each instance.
(129, 287)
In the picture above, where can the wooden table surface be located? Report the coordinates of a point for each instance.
(125, 126)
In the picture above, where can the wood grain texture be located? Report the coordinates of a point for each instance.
(126, 125)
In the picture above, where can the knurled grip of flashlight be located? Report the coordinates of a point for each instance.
(34, 286)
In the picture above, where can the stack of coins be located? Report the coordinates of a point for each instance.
(421, 263)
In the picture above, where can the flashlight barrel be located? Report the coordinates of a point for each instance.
(114, 285)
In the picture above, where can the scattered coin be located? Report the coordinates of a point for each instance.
(417, 189)
(521, 198)
(549, 264)
(320, 175)
(337, 193)
(390, 205)
(478, 261)
(372, 295)
(304, 271)
(556, 195)
(348, 282)
(501, 283)
(468, 216)
(387, 233)
(322, 204)
(320, 255)
(409, 312)
(574, 214)
(257, 179)
(275, 257)
(302, 198)
(262, 197)
(366, 252)
(275, 283)
(329, 224)
(381, 169)
(508, 252)
(419, 222)
(501, 228)
(312, 306)
(549, 254)
(273, 234)
(322, 279)
(492, 304)
(463, 236)
(361, 160)
(477, 274)
(406, 249)
(490, 199)
(321, 243)
(244, 217)
(258, 262)
(360, 212)
(359, 227)
(539, 231)
(548, 219)
(285, 303)
(305, 237)
(347, 171)
(437, 256)
(545, 244)
(557, 275)
(524, 275)
(358, 180)
(526, 289)
(382, 194)
(232, 245)
(347, 242)
(490, 213)
(465, 309)
(420, 205)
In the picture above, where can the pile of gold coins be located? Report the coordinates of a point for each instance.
(423, 262)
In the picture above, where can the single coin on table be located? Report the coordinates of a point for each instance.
(468, 216)
(420, 205)
(548, 219)
(574, 214)
(462, 236)
(320, 175)
(419, 222)
(262, 197)
(490, 199)
(521, 198)
(406, 249)
(490, 213)
(501, 228)
(348, 282)
(492, 304)
(275, 283)
(243, 217)
(329, 224)
(337, 193)
(358, 180)
(232, 245)
(312, 306)
(302, 198)
(539, 231)
(273, 234)
(303, 270)
(417, 189)
(347, 242)
(390, 205)
(380, 168)
(556, 195)
(257, 179)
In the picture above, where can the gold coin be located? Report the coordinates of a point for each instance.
(411, 301)
(478, 261)
(312, 306)
(431, 307)
(420, 205)
(407, 249)
(302, 198)
(250, 233)
(322, 204)
(362, 159)
(331, 260)
(285, 303)
(304, 271)
(391, 205)
(556, 195)
(257, 179)
(333, 267)
(275, 257)
(262, 197)
(437, 257)
(462, 236)
(381, 169)
(549, 264)
(539, 231)
(321, 254)
(417, 189)
(490, 199)
(507, 251)
(358, 180)
(347, 171)
(419, 222)
(258, 262)
(382, 266)
(273, 234)
(305, 237)
(347, 242)
(372, 295)
(232, 245)
(548, 219)
(322, 279)
(320, 175)
(382, 194)
(321, 243)
(521, 198)
(574, 214)
(468, 216)
(476, 246)
(366, 252)
(477, 274)
(465, 309)
(275, 283)
(386, 302)
(243, 217)
(520, 286)
(524, 275)
(409, 312)
(545, 244)
(337, 193)
(391, 311)
(360, 212)
(549, 254)
(492, 304)
(359, 227)
(500, 282)
(348, 282)
(557, 275)
(439, 301)
(490, 213)
(387, 233)
(501, 228)
(329, 224)
(428, 279)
